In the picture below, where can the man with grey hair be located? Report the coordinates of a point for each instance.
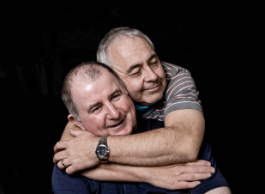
(98, 102)
(161, 91)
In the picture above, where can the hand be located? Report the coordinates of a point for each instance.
(180, 176)
(77, 154)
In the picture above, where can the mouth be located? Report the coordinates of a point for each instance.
(153, 88)
(116, 125)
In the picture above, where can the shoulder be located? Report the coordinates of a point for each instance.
(181, 92)
(171, 70)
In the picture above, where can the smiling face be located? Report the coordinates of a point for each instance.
(103, 106)
(137, 64)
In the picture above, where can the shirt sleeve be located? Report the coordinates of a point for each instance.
(63, 183)
(181, 92)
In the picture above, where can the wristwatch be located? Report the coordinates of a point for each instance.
(102, 150)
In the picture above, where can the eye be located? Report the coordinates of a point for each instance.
(136, 70)
(153, 63)
(136, 73)
(116, 96)
(96, 109)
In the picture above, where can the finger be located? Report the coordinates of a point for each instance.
(186, 185)
(62, 164)
(199, 163)
(72, 169)
(194, 176)
(59, 156)
(194, 169)
(60, 146)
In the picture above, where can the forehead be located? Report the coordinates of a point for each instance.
(127, 52)
(85, 92)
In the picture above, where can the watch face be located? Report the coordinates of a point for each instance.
(102, 151)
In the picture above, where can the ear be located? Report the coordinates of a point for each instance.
(72, 119)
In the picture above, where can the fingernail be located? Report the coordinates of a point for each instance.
(208, 175)
(209, 164)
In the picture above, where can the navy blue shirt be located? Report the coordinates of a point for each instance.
(62, 183)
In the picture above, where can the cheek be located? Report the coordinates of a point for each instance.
(126, 105)
(132, 112)
(95, 123)
(134, 86)
(160, 72)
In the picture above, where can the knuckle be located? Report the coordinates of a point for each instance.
(68, 152)
(55, 147)
(192, 176)
(182, 185)
(55, 159)
(179, 169)
(68, 170)
(71, 151)
(181, 176)
(194, 168)
(59, 166)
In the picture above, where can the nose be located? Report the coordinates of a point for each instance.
(150, 75)
(112, 111)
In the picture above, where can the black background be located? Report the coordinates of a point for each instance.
(40, 47)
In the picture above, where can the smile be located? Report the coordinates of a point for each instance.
(117, 123)
(153, 88)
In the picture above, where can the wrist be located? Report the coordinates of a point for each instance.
(102, 150)
(143, 174)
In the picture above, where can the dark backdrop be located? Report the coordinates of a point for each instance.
(40, 47)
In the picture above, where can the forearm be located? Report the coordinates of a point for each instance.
(66, 133)
(179, 143)
(117, 172)
(177, 176)
(159, 147)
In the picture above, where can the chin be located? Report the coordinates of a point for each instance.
(124, 132)
(151, 101)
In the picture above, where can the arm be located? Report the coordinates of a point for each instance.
(66, 133)
(179, 141)
(177, 176)
(173, 144)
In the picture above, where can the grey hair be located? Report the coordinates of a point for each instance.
(90, 72)
(114, 34)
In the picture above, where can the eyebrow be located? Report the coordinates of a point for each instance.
(114, 92)
(98, 103)
(137, 65)
(93, 105)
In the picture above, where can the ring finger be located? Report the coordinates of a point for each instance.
(62, 163)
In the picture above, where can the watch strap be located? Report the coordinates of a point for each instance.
(103, 140)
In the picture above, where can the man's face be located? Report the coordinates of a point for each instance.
(103, 105)
(137, 64)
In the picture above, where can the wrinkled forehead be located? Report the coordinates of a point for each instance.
(82, 83)
(127, 51)
(125, 44)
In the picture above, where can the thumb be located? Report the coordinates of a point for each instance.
(75, 132)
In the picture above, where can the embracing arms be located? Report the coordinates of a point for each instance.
(157, 148)
(179, 141)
